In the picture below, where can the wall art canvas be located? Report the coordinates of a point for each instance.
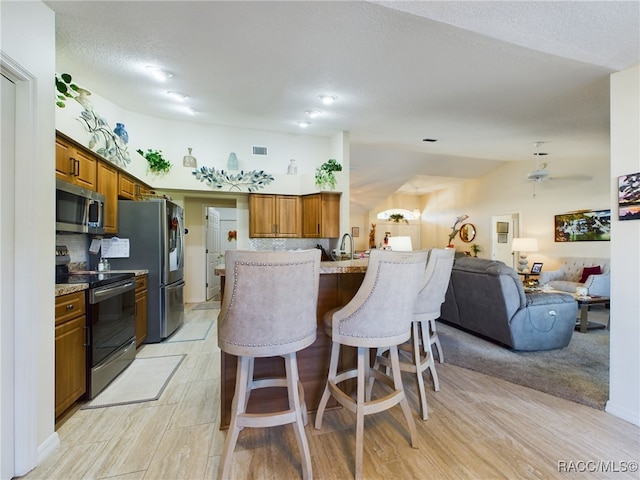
(583, 226)
(629, 197)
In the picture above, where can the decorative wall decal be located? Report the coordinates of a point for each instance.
(113, 143)
(252, 181)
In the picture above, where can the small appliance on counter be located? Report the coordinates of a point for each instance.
(110, 301)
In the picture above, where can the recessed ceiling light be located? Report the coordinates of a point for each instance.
(177, 95)
(159, 73)
(313, 113)
(303, 124)
(327, 99)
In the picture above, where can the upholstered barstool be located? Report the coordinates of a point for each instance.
(423, 331)
(379, 315)
(268, 310)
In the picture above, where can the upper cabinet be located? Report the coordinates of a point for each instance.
(74, 165)
(273, 216)
(131, 188)
(321, 215)
(108, 186)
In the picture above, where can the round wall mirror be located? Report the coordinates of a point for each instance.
(467, 232)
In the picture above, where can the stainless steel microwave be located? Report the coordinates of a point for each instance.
(78, 209)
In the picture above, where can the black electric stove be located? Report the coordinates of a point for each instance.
(94, 279)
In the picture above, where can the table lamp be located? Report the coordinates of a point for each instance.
(523, 246)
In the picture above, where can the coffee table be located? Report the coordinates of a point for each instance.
(585, 303)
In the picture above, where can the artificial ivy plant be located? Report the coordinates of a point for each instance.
(157, 162)
(325, 173)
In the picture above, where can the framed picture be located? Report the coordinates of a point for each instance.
(583, 226)
(355, 232)
(629, 197)
(502, 227)
(502, 237)
(537, 268)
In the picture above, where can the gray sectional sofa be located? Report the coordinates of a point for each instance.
(487, 297)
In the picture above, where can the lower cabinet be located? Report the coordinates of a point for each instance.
(70, 350)
(141, 309)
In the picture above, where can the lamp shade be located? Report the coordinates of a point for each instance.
(524, 244)
(400, 244)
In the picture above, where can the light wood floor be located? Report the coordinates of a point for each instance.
(479, 427)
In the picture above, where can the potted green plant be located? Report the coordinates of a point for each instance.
(397, 218)
(475, 248)
(157, 162)
(325, 176)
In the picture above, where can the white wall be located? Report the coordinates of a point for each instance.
(211, 146)
(505, 191)
(28, 51)
(624, 385)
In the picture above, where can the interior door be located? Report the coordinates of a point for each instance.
(212, 252)
(504, 228)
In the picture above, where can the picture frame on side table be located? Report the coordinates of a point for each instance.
(536, 268)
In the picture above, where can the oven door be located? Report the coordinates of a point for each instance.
(112, 323)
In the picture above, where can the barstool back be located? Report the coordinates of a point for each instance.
(269, 303)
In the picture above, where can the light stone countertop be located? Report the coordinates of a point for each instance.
(64, 288)
(358, 265)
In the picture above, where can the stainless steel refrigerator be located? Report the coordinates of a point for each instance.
(155, 229)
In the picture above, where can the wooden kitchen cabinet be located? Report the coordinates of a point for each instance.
(130, 188)
(75, 165)
(70, 350)
(108, 186)
(321, 215)
(274, 216)
(141, 309)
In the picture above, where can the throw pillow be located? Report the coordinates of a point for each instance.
(586, 271)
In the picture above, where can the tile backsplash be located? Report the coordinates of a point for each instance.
(78, 245)
(282, 244)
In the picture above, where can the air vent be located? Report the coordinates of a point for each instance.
(260, 151)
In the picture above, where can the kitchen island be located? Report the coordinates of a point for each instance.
(339, 282)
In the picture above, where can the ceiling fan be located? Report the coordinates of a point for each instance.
(541, 174)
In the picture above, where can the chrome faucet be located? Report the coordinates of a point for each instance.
(344, 237)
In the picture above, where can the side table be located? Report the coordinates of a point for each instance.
(584, 303)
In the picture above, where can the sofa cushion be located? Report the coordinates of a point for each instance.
(587, 271)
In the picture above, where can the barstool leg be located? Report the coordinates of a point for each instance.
(417, 361)
(397, 382)
(333, 371)
(435, 340)
(295, 404)
(237, 408)
(426, 344)
(363, 356)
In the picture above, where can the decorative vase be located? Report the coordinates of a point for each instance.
(232, 163)
(189, 160)
(293, 168)
(121, 132)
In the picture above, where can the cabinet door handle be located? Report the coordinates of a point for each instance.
(87, 339)
(318, 229)
(75, 167)
(70, 307)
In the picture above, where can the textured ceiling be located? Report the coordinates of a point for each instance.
(487, 79)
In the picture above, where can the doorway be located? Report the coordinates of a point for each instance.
(503, 230)
(212, 252)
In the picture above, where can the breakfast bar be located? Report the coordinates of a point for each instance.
(339, 282)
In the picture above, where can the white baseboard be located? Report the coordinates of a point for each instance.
(623, 413)
(48, 446)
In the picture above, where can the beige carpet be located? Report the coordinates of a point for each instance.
(579, 372)
(143, 381)
(190, 332)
